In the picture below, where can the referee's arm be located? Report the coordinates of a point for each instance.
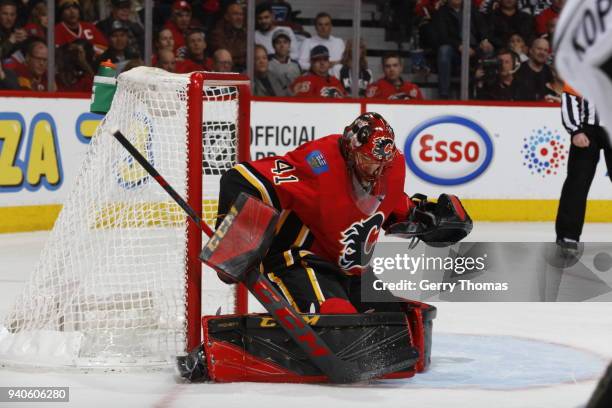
(572, 113)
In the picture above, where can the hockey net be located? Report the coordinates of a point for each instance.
(118, 283)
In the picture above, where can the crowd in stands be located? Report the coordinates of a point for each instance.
(510, 46)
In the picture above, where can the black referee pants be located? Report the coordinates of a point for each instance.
(581, 166)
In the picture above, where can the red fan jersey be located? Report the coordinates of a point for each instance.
(312, 187)
(189, 65)
(28, 82)
(383, 89)
(35, 30)
(310, 84)
(87, 31)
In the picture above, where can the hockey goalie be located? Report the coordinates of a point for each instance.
(333, 197)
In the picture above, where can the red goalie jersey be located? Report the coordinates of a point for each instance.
(312, 187)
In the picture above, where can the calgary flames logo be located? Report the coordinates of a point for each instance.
(359, 240)
(383, 148)
(330, 92)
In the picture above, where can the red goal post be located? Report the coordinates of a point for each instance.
(195, 119)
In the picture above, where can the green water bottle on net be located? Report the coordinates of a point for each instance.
(104, 87)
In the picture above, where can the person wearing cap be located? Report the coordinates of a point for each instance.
(195, 58)
(119, 51)
(318, 82)
(266, 28)
(121, 10)
(281, 64)
(335, 45)
(70, 27)
(265, 82)
(179, 23)
(230, 34)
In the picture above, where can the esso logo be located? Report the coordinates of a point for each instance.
(448, 150)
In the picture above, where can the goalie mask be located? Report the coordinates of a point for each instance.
(368, 145)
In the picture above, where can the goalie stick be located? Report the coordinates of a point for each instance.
(338, 370)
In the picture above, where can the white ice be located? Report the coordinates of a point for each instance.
(499, 355)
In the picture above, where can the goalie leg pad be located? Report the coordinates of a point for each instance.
(254, 348)
(420, 317)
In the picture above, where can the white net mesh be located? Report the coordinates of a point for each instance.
(109, 289)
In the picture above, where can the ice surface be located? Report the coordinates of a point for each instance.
(500, 355)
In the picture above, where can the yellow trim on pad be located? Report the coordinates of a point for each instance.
(42, 217)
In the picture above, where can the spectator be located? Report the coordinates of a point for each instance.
(209, 13)
(285, 68)
(318, 82)
(392, 86)
(71, 28)
(497, 83)
(284, 16)
(229, 33)
(282, 11)
(33, 75)
(535, 77)
(166, 60)
(424, 10)
(447, 23)
(518, 45)
(343, 71)
(133, 63)
(335, 45)
(551, 25)
(179, 23)
(506, 20)
(266, 30)
(8, 79)
(531, 7)
(38, 21)
(10, 35)
(222, 61)
(121, 10)
(265, 82)
(119, 51)
(196, 59)
(74, 70)
(163, 41)
(552, 12)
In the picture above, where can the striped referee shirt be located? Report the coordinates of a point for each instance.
(577, 112)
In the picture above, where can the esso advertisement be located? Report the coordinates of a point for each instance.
(448, 150)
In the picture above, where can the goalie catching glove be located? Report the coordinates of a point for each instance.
(437, 224)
